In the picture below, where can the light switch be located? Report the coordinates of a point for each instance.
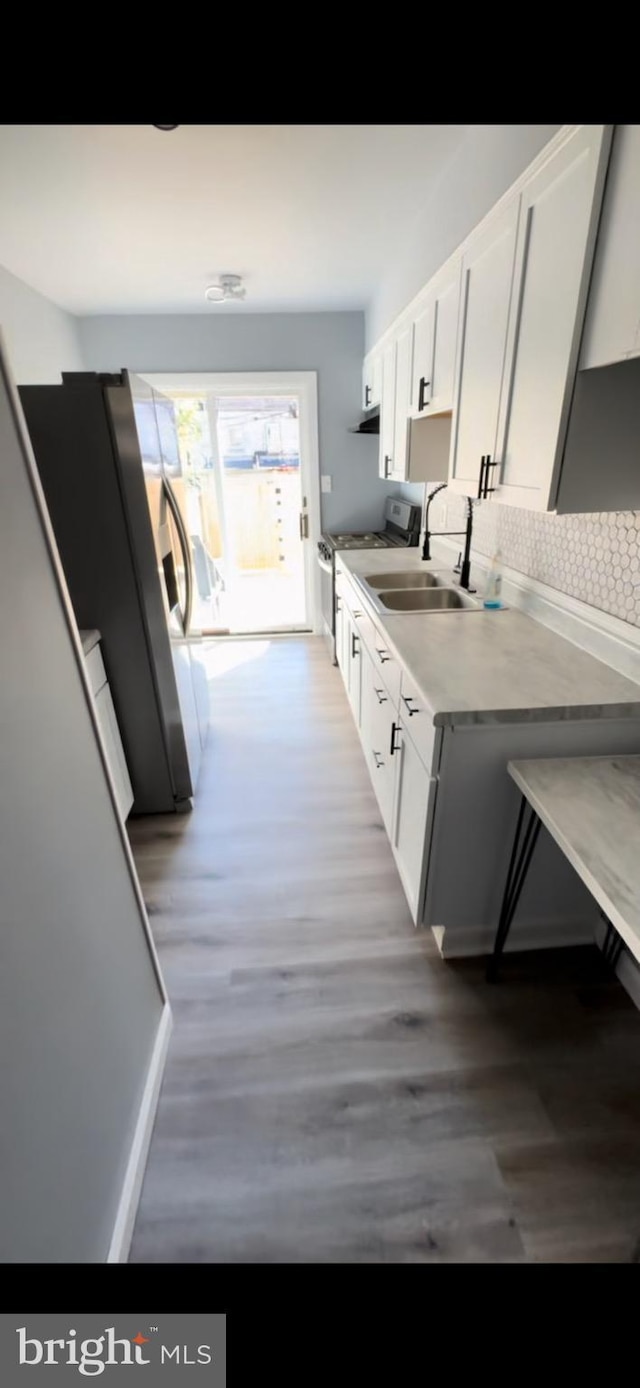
(325, 482)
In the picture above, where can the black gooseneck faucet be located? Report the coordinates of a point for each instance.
(463, 567)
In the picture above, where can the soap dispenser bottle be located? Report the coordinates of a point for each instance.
(493, 587)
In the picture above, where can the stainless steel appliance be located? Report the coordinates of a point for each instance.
(402, 529)
(107, 453)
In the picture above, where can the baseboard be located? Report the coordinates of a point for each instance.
(478, 939)
(132, 1184)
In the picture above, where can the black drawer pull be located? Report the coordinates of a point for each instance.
(409, 702)
(367, 396)
(354, 652)
(421, 400)
(382, 655)
(382, 698)
(379, 761)
(395, 728)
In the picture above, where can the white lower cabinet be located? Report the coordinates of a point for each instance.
(414, 805)
(113, 747)
(110, 732)
(354, 660)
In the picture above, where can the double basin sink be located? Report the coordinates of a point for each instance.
(411, 591)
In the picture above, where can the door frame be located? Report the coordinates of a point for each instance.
(304, 384)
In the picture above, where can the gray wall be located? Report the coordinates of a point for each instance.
(485, 164)
(80, 1002)
(41, 339)
(330, 343)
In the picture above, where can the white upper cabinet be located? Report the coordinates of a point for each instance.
(371, 380)
(612, 327)
(404, 362)
(556, 236)
(388, 410)
(434, 344)
(485, 297)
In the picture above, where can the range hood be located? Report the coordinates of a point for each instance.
(369, 424)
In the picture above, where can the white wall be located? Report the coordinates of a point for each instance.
(41, 339)
(330, 343)
(485, 164)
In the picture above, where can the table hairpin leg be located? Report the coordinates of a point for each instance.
(525, 839)
(612, 945)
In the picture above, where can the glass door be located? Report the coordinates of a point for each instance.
(244, 511)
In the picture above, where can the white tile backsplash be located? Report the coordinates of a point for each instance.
(593, 557)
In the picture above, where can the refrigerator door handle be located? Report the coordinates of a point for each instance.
(172, 503)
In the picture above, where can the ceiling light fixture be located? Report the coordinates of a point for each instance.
(228, 287)
(165, 127)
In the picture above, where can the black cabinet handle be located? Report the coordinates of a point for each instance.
(367, 396)
(338, 603)
(409, 702)
(379, 761)
(382, 656)
(387, 460)
(421, 390)
(483, 486)
(395, 728)
(353, 645)
(382, 698)
(357, 614)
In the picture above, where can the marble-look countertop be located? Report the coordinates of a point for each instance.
(491, 666)
(591, 807)
(89, 638)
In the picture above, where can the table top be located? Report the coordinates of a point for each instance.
(591, 807)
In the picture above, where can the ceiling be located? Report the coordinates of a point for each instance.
(126, 218)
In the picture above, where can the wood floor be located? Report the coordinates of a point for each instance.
(334, 1091)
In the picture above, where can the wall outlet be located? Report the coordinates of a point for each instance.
(325, 482)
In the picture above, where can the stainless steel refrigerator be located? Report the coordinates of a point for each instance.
(106, 447)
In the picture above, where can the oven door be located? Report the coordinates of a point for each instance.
(327, 600)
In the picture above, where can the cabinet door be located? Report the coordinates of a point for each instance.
(423, 339)
(355, 670)
(114, 750)
(556, 237)
(379, 756)
(388, 410)
(487, 276)
(341, 622)
(447, 303)
(404, 363)
(415, 792)
(371, 380)
(612, 327)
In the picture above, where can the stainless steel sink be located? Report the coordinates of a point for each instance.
(430, 600)
(398, 579)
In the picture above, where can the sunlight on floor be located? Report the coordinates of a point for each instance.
(221, 656)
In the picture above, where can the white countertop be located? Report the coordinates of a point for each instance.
(591, 807)
(491, 666)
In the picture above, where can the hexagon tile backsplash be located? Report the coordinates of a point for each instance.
(593, 557)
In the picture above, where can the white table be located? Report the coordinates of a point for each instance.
(591, 807)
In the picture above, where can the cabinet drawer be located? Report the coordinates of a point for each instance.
(417, 719)
(385, 667)
(95, 670)
(365, 629)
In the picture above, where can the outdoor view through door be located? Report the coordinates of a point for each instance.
(245, 511)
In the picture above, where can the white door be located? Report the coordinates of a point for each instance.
(487, 275)
(388, 410)
(556, 237)
(402, 404)
(413, 815)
